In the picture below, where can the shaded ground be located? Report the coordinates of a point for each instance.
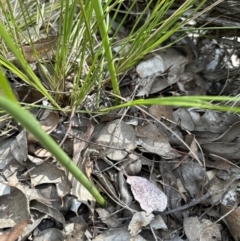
(189, 156)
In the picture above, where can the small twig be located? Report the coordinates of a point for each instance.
(188, 205)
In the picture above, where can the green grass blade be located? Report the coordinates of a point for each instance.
(97, 5)
(202, 102)
(5, 86)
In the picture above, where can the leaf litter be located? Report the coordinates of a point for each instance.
(194, 186)
(147, 194)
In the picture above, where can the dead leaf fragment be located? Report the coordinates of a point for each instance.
(5, 153)
(117, 234)
(15, 232)
(19, 147)
(52, 212)
(231, 212)
(150, 197)
(169, 179)
(49, 121)
(117, 134)
(152, 140)
(14, 208)
(202, 231)
(223, 149)
(46, 173)
(51, 234)
(158, 223)
(4, 189)
(43, 48)
(139, 220)
(107, 218)
(159, 111)
(160, 71)
(194, 178)
(183, 116)
(150, 66)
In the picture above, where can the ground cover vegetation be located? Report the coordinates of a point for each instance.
(119, 120)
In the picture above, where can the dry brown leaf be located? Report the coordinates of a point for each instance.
(44, 48)
(27, 94)
(233, 220)
(161, 111)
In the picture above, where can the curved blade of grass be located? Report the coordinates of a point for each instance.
(202, 102)
(30, 123)
(97, 5)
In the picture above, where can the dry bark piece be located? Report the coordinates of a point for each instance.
(150, 197)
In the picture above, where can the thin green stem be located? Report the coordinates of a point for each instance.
(97, 5)
(202, 102)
